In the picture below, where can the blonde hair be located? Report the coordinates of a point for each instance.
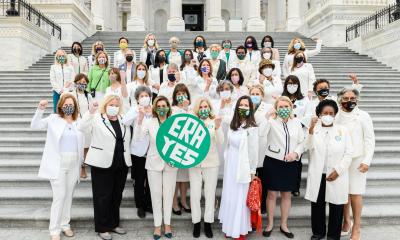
(94, 47)
(196, 107)
(146, 77)
(107, 100)
(291, 49)
(283, 99)
(174, 38)
(65, 55)
(145, 45)
(97, 58)
(259, 87)
(217, 46)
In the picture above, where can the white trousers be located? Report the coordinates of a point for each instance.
(162, 188)
(63, 189)
(197, 176)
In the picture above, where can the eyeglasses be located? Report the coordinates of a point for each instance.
(352, 99)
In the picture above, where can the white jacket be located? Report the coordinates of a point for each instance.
(306, 77)
(361, 129)
(248, 154)
(119, 58)
(59, 75)
(259, 115)
(101, 150)
(217, 139)
(337, 151)
(196, 85)
(51, 159)
(232, 59)
(79, 64)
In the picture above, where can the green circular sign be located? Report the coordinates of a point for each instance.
(183, 141)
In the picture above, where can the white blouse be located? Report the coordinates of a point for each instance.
(69, 140)
(79, 64)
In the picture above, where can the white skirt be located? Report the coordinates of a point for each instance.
(183, 175)
(357, 179)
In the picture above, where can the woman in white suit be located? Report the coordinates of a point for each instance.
(109, 158)
(328, 178)
(206, 171)
(361, 130)
(61, 162)
(162, 177)
(227, 54)
(241, 158)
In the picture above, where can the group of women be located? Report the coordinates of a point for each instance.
(107, 115)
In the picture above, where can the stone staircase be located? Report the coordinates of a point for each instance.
(25, 199)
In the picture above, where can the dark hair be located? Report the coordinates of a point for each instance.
(319, 81)
(80, 45)
(224, 41)
(270, 38)
(250, 121)
(117, 72)
(154, 107)
(119, 40)
(199, 69)
(295, 80)
(326, 103)
(253, 39)
(141, 89)
(241, 78)
(204, 42)
(156, 58)
(241, 47)
(183, 58)
(80, 76)
(180, 87)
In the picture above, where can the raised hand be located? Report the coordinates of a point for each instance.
(93, 107)
(43, 104)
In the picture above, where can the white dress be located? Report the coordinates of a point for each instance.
(234, 213)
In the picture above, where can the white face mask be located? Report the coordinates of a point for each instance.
(267, 55)
(267, 72)
(327, 120)
(112, 111)
(225, 94)
(267, 44)
(150, 42)
(141, 74)
(144, 101)
(292, 88)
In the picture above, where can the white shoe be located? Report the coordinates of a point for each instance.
(105, 236)
(342, 233)
(119, 230)
(68, 233)
(55, 237)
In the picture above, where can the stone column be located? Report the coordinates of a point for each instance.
(254, 21)
(214, 22)
(136, 21)
(280, 15)
(271, 16)
(97, 9)
(293, 18)
(175, 21)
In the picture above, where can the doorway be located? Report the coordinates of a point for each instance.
(193, 15)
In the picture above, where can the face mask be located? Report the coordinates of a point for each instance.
(161, 59)
(214, 54)
(292, 88)
(256, 100)
(249, 45)
(150, 42)
(241, 56)
(267, 44)
(226, 46)
(204, 113)
(235, 79)
(349, 106)
(68, 110)
(162, 111)
(297, 46)
(323, 92)
(181, 98)
(61, 59)
(174, 45)
(141, 74)
(284, 113)
(225, 94)
(188, 58)
(112, 111)
(327, 120)
(299, 59)
(102, 61)
(267, 72)
(144, 101)
(99, 49)
(77, 50)
(267, 55)
(129, 58)
(199, 44)
(123, 45)
(205, 69)
(171, 77)
(243, 112)
(112, 78)
(81, 87)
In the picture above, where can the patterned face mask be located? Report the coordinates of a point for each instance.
(61, 59)
(81, 86)
(162, 111)
(204, 113)
(244, 112)
(68, 110)
(181, 98)
(284, 113)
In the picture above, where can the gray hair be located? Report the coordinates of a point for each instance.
(173, 65)
(141, 89)
(345, 90)
(221, 84)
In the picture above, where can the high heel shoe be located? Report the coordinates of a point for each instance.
(176, 212)
(188, 210)
(343, 233)
(266, 233)
(287, 234)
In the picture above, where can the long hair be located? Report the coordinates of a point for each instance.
(204, 43)
(197, 104)
(154, 108)
(295, 80)
(61, 102)
(183, 58)
(294, 64)
(253, 39)
(291, 49)
(267, 37)
(236, 120)
(180, 87)
(80, 45)
(156, 58)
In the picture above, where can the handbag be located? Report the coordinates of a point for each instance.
(253, 202)
(93, 90)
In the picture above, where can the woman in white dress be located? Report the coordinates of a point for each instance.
(360, 127)
(158, 71)
(305, 72)
(76, 60)
(241, 158)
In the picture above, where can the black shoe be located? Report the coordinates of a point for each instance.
(196, 230)
(156, 237)
(317, 237)
(141, 213)
(266, 233)
(287, 234)
(188, 210)
(177, 212)
(168, 235)
(263, 211)
(296, 193)
(148, 209)
(207, 230)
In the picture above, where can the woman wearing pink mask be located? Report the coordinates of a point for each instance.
(235, 76)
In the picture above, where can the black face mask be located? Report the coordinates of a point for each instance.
(323, 92)
(161, 58)
(129, 58)
(77, 50)
(171, 77)
(299, 59)
(349, 106)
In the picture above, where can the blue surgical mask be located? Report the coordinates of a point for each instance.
(297, 46)
(256, 100)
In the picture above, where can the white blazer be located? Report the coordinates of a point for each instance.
(306, 77)
(143, 54)
(259, 115)
(79, 64)
(361, 130)
(101, 150)
(217, 139)
(119, 58)
(255, 58)
(232, 59)
(196, 86)
(51, 159)
(149, 128)
(248, 154)
(248, 69)
(59, 75)
(336, 150)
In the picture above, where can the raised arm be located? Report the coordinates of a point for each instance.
(37, 121)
